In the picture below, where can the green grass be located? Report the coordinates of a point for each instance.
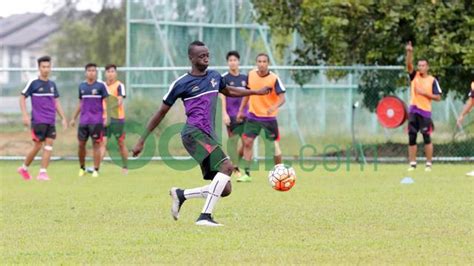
(328, 217)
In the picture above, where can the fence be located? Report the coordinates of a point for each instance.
(321, 114)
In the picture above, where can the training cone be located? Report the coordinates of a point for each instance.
(407, 180)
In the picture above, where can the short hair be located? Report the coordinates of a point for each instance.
(424, 59)
(263, 54)
(195, 43)
(232, 53)
(109, 66)
(90, 65)
(45, 58)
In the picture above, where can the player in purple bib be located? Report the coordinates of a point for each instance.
(44, 106)
(199, 91)
(230, 109)
(92, 94)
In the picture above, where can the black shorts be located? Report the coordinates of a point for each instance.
(39, 132)
(418, 123)
(116, 129)
(235, 128)
(94, 131)
(252, 129)
(205, 150)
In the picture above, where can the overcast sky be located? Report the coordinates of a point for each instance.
(11, 7)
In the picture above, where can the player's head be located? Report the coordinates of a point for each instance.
(423, 66)
(44, 65)
(111, 72)
(233, 60)
(262, 62)
(198, 55)
(91, 71)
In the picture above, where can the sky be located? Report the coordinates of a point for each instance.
(43, 6)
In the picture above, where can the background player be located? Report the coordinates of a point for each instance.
(262, 112)
(230, 108)
(423, 89)
(92, 94)
(467, 109)
(199, 92)
(115, 112)
(44, 105)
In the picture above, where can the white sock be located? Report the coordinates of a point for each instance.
(428, 164)
(24, 167)
(199, 192)
(412, 163)
(42, 170)
(215, 190)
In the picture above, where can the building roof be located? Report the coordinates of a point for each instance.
(26, 29)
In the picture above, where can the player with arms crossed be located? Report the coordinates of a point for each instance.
(44, 106)
(262, 112)
(467, 109)
(115, 115)
(424, 88)
(231, 105)
(199, 91)
(92, 94)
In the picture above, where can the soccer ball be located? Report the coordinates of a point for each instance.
(282, 177)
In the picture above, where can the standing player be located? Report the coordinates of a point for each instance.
(467, 109)
(115, 115)
(92, 94)
(231, 105)
(44, 104)
(199, 91)
(262, 112)
(424, 88)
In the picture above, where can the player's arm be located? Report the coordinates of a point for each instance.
(281, 101)
(241, 92)
(24, 112)
(154, 121)
(240, 114)
(60, 111)
(72, 123)
(436, 92)
(409, 57)
(225, 116)
(466, 110)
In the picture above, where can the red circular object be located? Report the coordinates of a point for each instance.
(391, 112)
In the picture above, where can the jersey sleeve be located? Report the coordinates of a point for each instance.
(79, 92)
(28, 90)
(412, 75)
(104, 91)
(279, 87)
(174, 92)
(56, 92)
(121, 90)
(436, 88)
(222, 83)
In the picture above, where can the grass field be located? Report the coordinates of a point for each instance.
(328, 217)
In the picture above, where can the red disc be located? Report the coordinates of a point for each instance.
(391, 112)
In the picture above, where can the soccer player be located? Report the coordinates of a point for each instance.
(262, 112)
(92, 94)
(115, 113)
(424, 88)
(231, 105)
(467, 109)
(199, 90)
(44, 106)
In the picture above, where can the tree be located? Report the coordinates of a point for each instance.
(369, 32)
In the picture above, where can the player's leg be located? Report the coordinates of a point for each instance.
(251, 131)
(119, 133)
(272, 134)
(426, 132)
(45, 158)
(82, 136)
(413, 127)
(38, 136)
(97, 138)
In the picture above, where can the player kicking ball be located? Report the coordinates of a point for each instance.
(92, 94)
(44, 106)
(467, 109)
(199, 91)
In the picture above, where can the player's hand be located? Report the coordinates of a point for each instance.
(409, 47)
(64, 123)
(420, 91)
(460, 121)
(72, 123)
(240, 117)
(263, 91)
(138, 148)
(271, 110)
(226, 119)
(26, 121)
